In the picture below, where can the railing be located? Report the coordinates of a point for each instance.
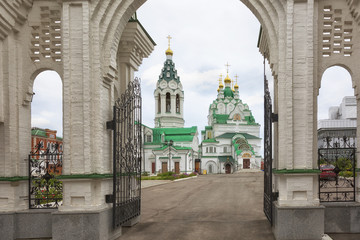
(45, 190)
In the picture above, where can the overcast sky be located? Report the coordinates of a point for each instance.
(205, 37)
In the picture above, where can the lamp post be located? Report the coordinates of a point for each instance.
(169, 144)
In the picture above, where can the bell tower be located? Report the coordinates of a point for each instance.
(169, 96)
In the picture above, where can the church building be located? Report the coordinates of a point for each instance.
(169, 146)
(231, 141)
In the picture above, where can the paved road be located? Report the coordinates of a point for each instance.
(209, 207)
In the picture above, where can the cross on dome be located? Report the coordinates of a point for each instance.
(169, 51)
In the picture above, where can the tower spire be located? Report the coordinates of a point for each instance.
(236, 87)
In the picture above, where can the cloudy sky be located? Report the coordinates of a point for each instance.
(205, 37)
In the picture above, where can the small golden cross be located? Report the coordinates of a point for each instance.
(236, 77)
(227, 67)
(168, 37)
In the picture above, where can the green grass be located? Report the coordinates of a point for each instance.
(168, 176)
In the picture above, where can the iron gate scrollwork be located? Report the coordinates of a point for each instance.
(127, 153)
(45, 190)
(337, 165)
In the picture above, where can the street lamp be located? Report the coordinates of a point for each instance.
(169, 144)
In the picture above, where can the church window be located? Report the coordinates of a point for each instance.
(237, 117)
(159, 104)
(225, 149)
(214, 149)
(148, 138)
(177, 103)
(168, 102)
(168, 67)
(168, 74)
(207, 150)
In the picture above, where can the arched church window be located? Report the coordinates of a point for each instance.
(237, 117)
(177, 103)
(168, 74)
(168, 102)
(159, 104)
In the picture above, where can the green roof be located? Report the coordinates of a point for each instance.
(221, 118)
(226, 159)
(38, 132)
(228, 92)
(175, 134)
(210, 140)
(168, 72)
(231, 135)
(176, 147)
(208, 127)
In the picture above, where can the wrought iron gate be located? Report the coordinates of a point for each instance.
(269, 118)
(337, 164)
(127, 140)
(45, 190)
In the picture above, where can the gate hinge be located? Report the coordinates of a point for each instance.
(110, 125)
(109, 198)
(274, 117)
(275, 196)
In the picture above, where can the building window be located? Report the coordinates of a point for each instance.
(214, 149)
(168, 102)
(148, 138)
(225, 149)
(159, 104)
(237, 117)
(177, 103)
(207, 150)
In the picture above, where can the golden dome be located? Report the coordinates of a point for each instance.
(227, 79)
(169, 52)
(236, 86)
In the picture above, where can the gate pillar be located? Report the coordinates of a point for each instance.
(90, 89)
(296, 212)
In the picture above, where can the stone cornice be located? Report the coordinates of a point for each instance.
(14, 13)
(135, 45)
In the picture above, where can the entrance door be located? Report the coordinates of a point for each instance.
(153, 167)
(197, 167)
(246, 164)
(227, 168)
(177, 167)
(164, 167)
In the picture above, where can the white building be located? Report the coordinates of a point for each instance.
(341, 122)
(169, 146)
(232, 140)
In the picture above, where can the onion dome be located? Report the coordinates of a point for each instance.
(169, 51)
(227, 79)
(221, 86)
(228, 92)
(236, 87)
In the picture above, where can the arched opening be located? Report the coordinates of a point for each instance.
(159, 103)
(177, 103)
(47, 103)
(168, 103)
(337, 123)
(45, 159)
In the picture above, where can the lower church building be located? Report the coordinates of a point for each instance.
(231, 141)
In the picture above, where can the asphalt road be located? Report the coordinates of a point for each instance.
(208, 207)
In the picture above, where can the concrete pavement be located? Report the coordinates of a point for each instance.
(209, 207)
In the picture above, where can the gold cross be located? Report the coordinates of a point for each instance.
(220, 79)
(227, 67)
(168, 37)
(236, 77)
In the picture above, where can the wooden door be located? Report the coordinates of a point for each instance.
(177, 167)
(164, 167)
(246, 164)
(197, 167)
(153, 167)
(227, 168)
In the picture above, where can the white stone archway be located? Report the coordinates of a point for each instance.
(99, 51)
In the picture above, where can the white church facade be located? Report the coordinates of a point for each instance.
(231, 141)
(169, 146)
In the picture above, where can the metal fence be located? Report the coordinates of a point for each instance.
(45, 190)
